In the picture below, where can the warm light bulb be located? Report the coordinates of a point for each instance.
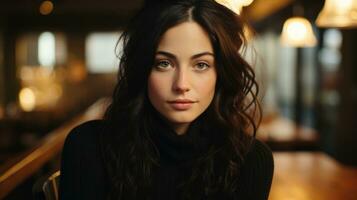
(46, 7)
(297, 32)
(343, 5)
(338, 14)
(235, 5)
(246, 2)
(27, 99)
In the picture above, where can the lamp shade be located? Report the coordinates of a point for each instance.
(297, 32)
(235, 5)
(246, 2)
(338, 14)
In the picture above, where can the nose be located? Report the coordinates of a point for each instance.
(181, 82)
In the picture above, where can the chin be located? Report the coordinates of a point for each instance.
(181, 118)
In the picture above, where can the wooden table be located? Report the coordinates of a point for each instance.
(281, 133)
(312, 176)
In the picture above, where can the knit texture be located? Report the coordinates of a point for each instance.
(83, 171)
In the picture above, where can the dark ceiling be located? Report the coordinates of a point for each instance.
(24, 15)
(14, 7)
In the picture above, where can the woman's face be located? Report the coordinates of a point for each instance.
(182, 82)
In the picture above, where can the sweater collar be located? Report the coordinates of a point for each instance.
(174, 148)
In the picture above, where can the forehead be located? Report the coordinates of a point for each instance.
(189, 36)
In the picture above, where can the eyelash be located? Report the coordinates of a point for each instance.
(158, 65)
(206, 66)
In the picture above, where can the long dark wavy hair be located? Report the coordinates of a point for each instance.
(129, 154)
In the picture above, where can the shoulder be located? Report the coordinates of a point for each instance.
(260, 154)
(85, 132)
(257, 172)
(259, 159)
(81, 150)
(82, 140)
(82, 168)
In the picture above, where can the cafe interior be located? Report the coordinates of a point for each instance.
(58, 68)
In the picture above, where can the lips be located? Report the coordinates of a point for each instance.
(181, 104)
(182, 101)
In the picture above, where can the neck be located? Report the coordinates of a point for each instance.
(180, 129)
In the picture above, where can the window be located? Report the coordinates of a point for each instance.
(101, 52)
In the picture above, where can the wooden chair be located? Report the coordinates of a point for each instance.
(47, 189)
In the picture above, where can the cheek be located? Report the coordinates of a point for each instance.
(156, 88)
(206, 87)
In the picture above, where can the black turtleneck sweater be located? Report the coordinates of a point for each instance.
(83, 173)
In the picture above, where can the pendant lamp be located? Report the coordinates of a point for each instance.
(338, 14)
(235, 5)
(297, 32)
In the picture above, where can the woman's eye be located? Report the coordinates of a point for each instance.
(201, 66)
(162, 65)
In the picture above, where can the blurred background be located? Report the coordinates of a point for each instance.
(58, 68)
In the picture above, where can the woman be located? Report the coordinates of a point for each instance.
(182, 121)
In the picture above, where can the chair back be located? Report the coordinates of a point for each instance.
(51, 186)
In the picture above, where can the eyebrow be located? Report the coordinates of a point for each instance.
(172, 56)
